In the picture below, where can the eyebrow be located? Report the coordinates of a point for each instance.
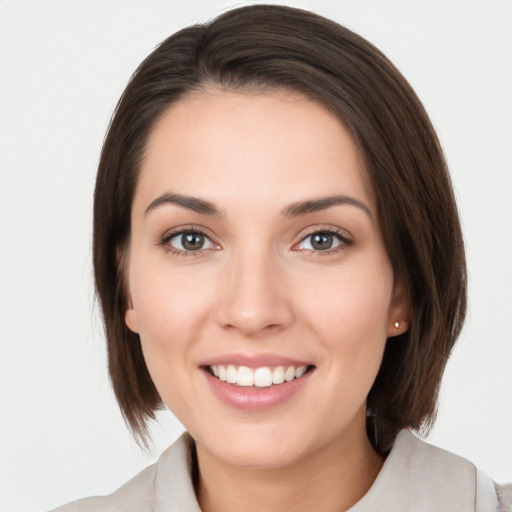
(296, 209)
(192, 203)
(322, 203)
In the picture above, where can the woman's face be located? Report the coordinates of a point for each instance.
(256, 256)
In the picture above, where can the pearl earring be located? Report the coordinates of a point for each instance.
(397, 325)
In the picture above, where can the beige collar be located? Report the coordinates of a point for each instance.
(416, 477)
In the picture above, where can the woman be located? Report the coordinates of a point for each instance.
(279, 260)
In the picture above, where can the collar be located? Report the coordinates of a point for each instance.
(174, 489)
(416, 476)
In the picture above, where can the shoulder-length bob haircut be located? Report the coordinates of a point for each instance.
(268, 48)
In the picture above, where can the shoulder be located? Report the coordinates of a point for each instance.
(135, 495)
(166, 482)
(455, 478)
(420, 476)
(490, 493)
(504, 494)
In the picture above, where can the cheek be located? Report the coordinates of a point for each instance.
(173, 308)
(167, 302)
(356, 302)
(350, 314)
(169, 325)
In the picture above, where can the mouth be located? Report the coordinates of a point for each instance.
(257, 382)
(259, 377)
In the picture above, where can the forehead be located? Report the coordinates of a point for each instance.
(260, 146)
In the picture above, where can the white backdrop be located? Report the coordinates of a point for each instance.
(63, 65)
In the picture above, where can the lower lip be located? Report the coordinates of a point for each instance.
(254, 398)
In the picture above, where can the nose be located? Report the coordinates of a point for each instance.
(254, 299)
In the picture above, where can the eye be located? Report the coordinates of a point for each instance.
(189, 241)
(323, 241)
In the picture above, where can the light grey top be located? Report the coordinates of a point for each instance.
(416, 477)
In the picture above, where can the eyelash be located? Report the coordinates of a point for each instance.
(192, 230)
(344, 241)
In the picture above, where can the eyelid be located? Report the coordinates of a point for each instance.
(344, 238)
(181, 230)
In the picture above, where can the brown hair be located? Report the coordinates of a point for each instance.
(273, 47)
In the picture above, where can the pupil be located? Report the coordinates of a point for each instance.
(321, 241)
(192, 241)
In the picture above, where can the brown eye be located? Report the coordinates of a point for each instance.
(192, 241)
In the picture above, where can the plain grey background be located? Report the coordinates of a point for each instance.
(63, 65)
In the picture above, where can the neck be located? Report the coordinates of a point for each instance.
(331, 479)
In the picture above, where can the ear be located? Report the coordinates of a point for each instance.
(130, 316)
(400, 310)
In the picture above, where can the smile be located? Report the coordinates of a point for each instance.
(260, 377)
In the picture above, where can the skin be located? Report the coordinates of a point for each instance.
(259, 286)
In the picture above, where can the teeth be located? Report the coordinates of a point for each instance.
(231, 374)
(263, 378)
(300, 371)
(245, 376)
(278, 375)
(289, 374)
(260, 377)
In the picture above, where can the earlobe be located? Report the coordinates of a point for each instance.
(130, 316)
(397, 327)
(131, 319)
(400, 310)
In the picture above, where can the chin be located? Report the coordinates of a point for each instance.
(261, 446)
(260, 454)
(249, 445)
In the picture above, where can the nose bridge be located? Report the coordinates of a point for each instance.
(254, 298)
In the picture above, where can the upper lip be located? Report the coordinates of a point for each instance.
(253, 360)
